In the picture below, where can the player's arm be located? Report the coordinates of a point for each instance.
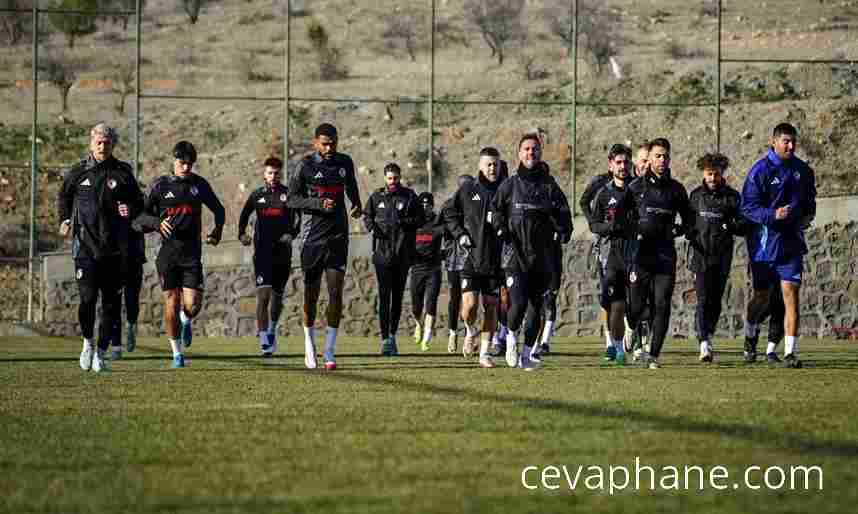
(686, 215)
(586, 202)
(598, 224)
(500, 208)
(298, 198)
(414, 215)
(212, 202)
(562, 214)
(454, 216)
(244, 218)
(369, 217)
(352, 192)
(65, 200)
(753, 197)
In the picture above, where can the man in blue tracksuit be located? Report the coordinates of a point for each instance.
(779, 199)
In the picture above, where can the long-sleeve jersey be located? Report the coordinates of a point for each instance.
(531, 209)
(427, 244)
(586, 202)
(180, 201)
(89, 198)
(773, 183)
(274, 219)
(655, 203)
(392, 217)
(609, 220)
(470, 213)
(717, 219)
(314, 180)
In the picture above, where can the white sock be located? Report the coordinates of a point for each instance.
(790, 345)
(484, 348)
(771, 347)
(176, 346)
(608, 341)
(184, 317)
(469, 330)
(309, 340)
(330, 343)
(547, 332)
(496, 337)
(452, 332)
(427, 333)
(87, 344)
(704, 346)
(511, 342)
(618, 344)
(751, 329)
(263, 337)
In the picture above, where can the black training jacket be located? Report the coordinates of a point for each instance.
(469, 212)
(717, 219)
(393, 217)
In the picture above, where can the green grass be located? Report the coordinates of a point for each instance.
(417, 433)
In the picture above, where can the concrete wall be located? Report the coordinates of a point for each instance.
(829, 294)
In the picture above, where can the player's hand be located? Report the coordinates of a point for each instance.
(245, 239)
(328, 204)
(565, 237)
(124, 211)
(782, 212)
(465, 241)
(356, 212)
(65, 228)
(677, 230)
(166, 227)
(214, 238)
(285, 240)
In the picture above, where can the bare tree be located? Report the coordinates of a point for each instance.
(74, 25)
(598, 32)
(123, 82)
(499, 23)
(328, 56)
(192, 9)
(62, 71)
(404, 31)
(13, 25)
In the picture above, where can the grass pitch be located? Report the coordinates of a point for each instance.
(418, 433)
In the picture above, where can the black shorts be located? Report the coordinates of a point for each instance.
(316, 258)
(613, 285)
(479, 283)
(174, 275)
(425, 288)
(273, 273)
(93, 276)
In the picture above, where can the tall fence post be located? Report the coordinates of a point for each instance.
(287, 84)
(34, 164)
(573, 121)
(138, 16)
(431, 152)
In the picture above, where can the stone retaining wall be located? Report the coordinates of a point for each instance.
(829, 295)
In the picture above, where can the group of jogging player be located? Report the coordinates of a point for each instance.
(499, 237)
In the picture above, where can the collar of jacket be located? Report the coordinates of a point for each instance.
(486, 183)
(717, 190)
(654, 179)
(92, 163)
(775, 159)
(537, 172)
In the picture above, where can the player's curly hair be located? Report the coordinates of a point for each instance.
(713, 161)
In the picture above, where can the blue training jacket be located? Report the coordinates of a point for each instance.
(773, 183)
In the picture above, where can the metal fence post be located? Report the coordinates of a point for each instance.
(34, 156)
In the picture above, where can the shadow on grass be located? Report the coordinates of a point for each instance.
(764, 436)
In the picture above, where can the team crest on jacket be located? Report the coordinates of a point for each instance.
(194, 190)
(464, 283)
(399, 206)
(79, 273)
(111, 184)
(343, 172)
(259, 279)
(510, 281)
(283, 197)
(633, 277)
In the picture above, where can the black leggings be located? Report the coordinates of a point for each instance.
(526, 296)
(710, 290)
(650, 294)
(391, 289)
(131, 292)
(98, 279)
(777, 311)
(454, 278)
(425, 287)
